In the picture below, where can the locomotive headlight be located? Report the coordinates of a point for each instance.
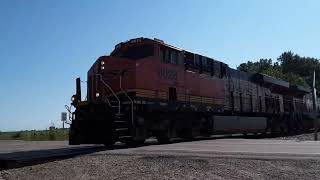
(97, 94)
(102, 62)
(74, 100)
(102, 67)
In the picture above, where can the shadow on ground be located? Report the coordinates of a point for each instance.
(28, 158)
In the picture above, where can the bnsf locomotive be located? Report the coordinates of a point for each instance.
(147, 88)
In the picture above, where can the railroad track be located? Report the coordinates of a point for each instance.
(26, 158)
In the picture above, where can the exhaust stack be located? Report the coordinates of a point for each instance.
(78, 90)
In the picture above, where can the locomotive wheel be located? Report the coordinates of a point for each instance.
(187, 134)
(74, 138)
(135, 143)
(138, 142)
(206, 127)
(163, 140)
(108, 144)
(131, 142)
(284, 130)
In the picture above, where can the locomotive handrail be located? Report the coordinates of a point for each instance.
(127, 97)
(114, 94)
(108, 101)
(70, 114)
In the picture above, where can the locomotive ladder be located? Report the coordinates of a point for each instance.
(126, 94)
(122, 128)
(118, 106)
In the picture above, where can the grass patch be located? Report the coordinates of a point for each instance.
(36, 135)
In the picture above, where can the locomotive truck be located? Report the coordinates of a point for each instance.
(147, 88)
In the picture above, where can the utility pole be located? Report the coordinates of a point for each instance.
(314, 99)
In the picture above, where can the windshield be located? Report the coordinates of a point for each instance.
(137, 52)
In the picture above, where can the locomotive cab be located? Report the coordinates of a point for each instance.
(107, 113)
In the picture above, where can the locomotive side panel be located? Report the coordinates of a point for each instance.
(160, 77)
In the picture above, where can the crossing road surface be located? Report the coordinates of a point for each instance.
(240, 146)
(262, 148)
(205, 159)
(10, 146)
(19, 153)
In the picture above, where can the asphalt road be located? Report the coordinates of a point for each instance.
(205, 159)
(17, 153)
(237, 148)
(241, 145)
(202, 147)
(10, 146)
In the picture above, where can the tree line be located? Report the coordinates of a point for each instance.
(289, 67)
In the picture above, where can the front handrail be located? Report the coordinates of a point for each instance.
(113, 93)
(127, 97)
(70, 114)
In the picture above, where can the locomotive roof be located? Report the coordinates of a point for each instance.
(155, 41)
(142, 39)
(139, 40)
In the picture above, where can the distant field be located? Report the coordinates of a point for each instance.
(36, 135)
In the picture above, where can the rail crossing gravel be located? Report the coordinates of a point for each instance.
(138, 163)
(166, 167)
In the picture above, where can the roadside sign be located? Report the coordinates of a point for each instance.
(64, 116)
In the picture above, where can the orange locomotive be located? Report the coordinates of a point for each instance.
(147, 88)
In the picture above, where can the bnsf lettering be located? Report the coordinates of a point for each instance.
(168, 74)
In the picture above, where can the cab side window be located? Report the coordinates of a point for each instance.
(169, 56)
(197, 60)
(173, 57)
(138, 52)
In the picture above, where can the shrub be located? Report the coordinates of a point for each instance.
(16, 135)
(52, 135)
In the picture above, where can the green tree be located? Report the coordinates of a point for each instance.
(289, 66)
(296, 66)
(259, 66)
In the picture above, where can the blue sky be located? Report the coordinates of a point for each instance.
(45, 45)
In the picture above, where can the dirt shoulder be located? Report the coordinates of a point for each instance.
(116, 166)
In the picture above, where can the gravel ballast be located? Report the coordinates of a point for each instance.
(153, 162)
(116, 166)
(300, 137)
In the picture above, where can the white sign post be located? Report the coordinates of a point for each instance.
(63, 118)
